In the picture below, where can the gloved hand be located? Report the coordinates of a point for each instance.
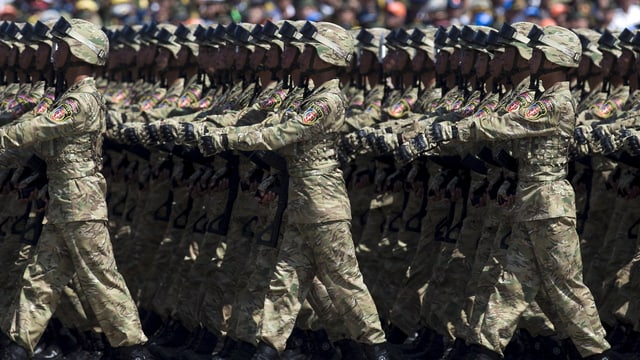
(443, 131)
(212, 142)
(129, 133)
(349, 144)
(631, 141)
(607, 140)
(150, 134)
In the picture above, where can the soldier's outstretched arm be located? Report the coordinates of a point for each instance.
(322, 116)
(62, 120)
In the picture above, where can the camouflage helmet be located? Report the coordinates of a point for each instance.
(289, 32)
(474, 37)
(423, 39)
(609, 42)
(166, 39)
(589, 39)
(333, 43)
(372, 39)
(560, 46)
(86, 41)
(185, 37)
(516, 35)
(626, 41)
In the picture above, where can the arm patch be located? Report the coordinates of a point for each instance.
(316, 111)
(538, 109)
(65, 110)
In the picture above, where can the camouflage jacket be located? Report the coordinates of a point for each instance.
(68, 137)
(305, 137)
(541, 133)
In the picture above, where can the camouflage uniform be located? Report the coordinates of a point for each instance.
(544, 223)
(76, 223)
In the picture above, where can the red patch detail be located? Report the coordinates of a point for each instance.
(315, 112)
(64, 111)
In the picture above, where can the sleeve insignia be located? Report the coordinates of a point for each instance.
(315, 112)
(67, 109)
(471, 107)
(607, 109)
(519, 101)
(205, 102)
(538, 109)
(399, 109)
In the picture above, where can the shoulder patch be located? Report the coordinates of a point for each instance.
(65, 110)
(315, 112)
(521, 100)
(538, 109)
(609, 108)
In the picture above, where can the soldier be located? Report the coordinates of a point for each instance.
(316, 237)
(75, 239)
(545, 249)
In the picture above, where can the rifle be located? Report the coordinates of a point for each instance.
(32, 218)
(271, 159)
(220, 224)
(423, 175)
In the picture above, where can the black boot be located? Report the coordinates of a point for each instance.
(570, 349)
(458, 350)
(228, 347)
(478, 352)
(265, 352)
(619, 335)
(376, 351)
(395, 335)
(298, 345)
(349, 349)
(151, 323)
(243, 351)
(321, 347)
(14, 351)
(546, 347)
(93, 346)
(206, 342)
(607, 355)
(134, 352)
(47, 348)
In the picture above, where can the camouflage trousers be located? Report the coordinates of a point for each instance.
(405, 313)
(621, 285)
(324, 250)
(81, 248)
(544, 256)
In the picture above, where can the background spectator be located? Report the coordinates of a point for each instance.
(597, 14)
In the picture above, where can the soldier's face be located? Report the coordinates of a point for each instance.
(442, 62)
(305, 59)
(257, 57)
(624, 62)
(162, 60)
(366, 61)
(496, 64)
(25, 60)
(43, 56)
(395, 60)
(206, 55)
(289, 56)
(537, 61)
(608, 60)
(59, 54)
(482, 64)
(272, 57)
(509, 58)
(420, 61)
(13, 57)
(467, 61)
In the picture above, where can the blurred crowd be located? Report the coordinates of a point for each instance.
(596, 14)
